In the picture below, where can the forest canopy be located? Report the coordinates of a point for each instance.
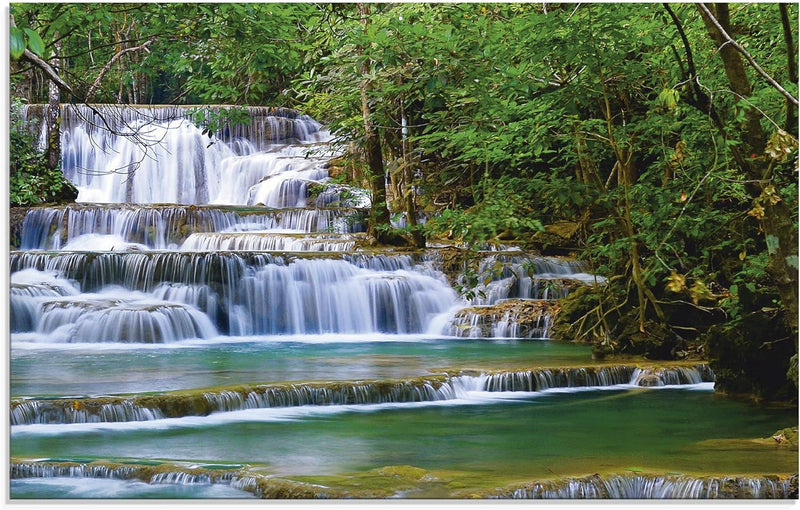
(657, 142)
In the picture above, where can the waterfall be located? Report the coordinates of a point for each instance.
(659, 487)
(516, 276)
(196, 225)
(162, 227)
(257, 294)
(156, 155)
(626, 486)
(424, 389)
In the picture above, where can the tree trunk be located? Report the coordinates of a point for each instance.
(53, 119)
(779, 232)
(379, 219)
(409, 196)
(791, 65)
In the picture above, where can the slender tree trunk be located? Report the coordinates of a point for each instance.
(379, 219)
(53, 118)
(409, 196)
(791, 111)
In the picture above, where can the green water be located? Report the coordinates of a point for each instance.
(92, 370)
(558, 434)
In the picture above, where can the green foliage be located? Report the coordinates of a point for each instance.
(25, 38)
(506, 210)
(214, 121)
(30, 181)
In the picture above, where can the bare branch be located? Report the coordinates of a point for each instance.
(107, 67)
(740, 49)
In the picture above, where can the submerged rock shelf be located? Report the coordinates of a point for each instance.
(612, 486)
(446, 386)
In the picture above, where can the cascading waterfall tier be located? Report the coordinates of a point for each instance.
(424, 389)
(161, 227)
(622, 486)
(152, 155)
(253, 293)
(660, 487)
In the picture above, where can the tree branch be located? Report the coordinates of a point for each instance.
(110, 63)
(48, 69)
(729, 40)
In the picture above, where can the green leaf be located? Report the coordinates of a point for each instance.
(17, 43)
(35, 43)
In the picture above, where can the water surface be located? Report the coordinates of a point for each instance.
(95, 369)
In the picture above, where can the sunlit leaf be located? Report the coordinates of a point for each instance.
(17, 43)
(35, 42)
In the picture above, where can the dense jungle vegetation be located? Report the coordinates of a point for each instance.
(658, 142)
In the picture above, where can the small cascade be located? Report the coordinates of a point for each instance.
(659, 487)
(277, 180)
(181, 478)
(516, 295)
(512, 318)
(236, 477)
(161, 227)
(81, 411)
(268, 241)
(517, 276)
(175, 476)
(28, 288)
(71, 470)
(544, 379)
(672, 376)
(425, 389)
(126, 318)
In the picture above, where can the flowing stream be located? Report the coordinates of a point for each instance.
(209, 321)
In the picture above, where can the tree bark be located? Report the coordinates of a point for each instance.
(410, 195)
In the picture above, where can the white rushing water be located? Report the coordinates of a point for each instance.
(170, 237)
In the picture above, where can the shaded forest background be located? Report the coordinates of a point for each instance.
(657, 142)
